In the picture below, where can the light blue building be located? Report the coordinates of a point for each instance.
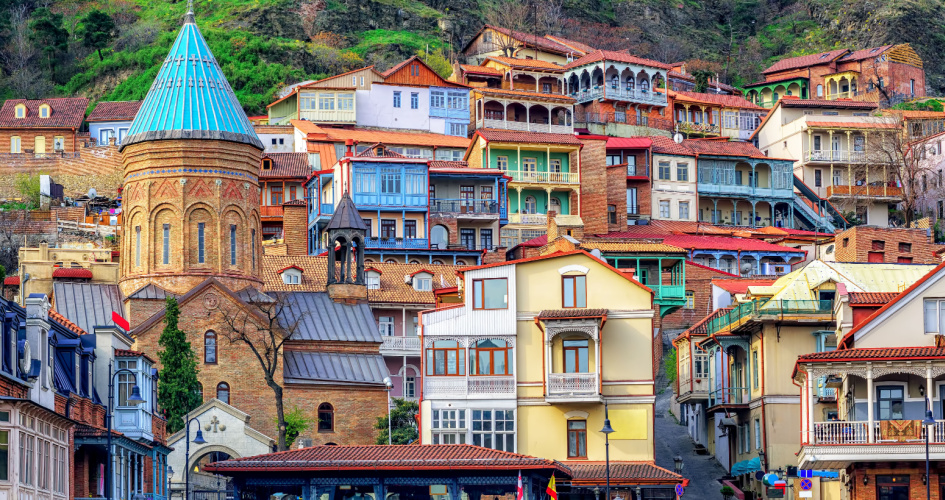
(112, 120)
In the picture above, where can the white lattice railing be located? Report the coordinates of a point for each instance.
(443, 386)
(499, 385)
(572, 384)
(434, 317)
(491, 385)
(401, 344)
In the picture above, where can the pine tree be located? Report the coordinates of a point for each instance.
(178, 389)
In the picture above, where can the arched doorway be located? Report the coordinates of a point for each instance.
(439, 237)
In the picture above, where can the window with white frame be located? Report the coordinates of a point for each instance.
(292, 276)
(126, 380)
(449, 426)
(682, 171)
(423, 282)
(683, 210)
(373, 280)
(326, 102)
(386, 325)
(757, 434)
(437, 99)
(494, 429)
(410, 387)
(700, 366)
(457, 129)
(934, 316)
(664, 209)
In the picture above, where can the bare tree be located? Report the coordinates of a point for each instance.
(512, 20)
(549, 16)
(904, 163)
(13, 233)
(20, 57)
(263, 323)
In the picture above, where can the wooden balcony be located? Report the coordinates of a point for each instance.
(270, 211)
(835, 444)
(883, 191)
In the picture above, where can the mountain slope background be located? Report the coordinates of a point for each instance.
(263, 45)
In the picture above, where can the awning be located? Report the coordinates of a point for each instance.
(746, 467)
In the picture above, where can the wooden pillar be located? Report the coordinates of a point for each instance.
(869, 405)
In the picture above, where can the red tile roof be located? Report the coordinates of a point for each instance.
(460, 167)
(877, 353)
(694, 242)
(739, 286)
(372, 150)
(726, 148)
(629, 142)
(114, 111)
(872, 298)
(802, 232)
(666, 145)
(67, 112)
(72, 272)
(611, 55)
(530, 39)
(383, 457)
(535, 242)
(622, 472)
(286, 165)
(571, 313)
(483, 70)
(11, 281)
(847, 125)
(805, 61)
(574, 44)
(788, 102)
(727, 101)
(859, 55)
(527, 137)
(518, 62)
(128, 353)
(332, 134)
(524, 93)
(58, 318)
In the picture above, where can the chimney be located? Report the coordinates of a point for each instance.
(295, 227)
(552, 226)
(349, 146)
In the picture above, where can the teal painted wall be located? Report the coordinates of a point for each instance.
(541, 198)
(540, 156)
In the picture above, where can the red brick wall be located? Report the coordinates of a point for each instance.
(915, 471)
(856, 244)
(699, 281)
(617, 197)
(295, 228)
(594, 186)
(28, 139)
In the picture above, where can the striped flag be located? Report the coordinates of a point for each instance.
(520, 493)
(551, 490)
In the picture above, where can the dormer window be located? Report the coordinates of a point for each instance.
(373, 280)
(20, 111)
(45, 111)
(423, 281)
(267, 164)
(292, 275)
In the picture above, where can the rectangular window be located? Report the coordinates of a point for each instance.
(682, 171)
(491, 293)
(388, 228)
(754, 369)
(252, 246)
(467, 238)
(15, 144)
(449, 426)
(137, 246)
(934, 316)
(275, 195)
(410, 229)
(577, 439)
(633, 207)
(891, 401)
(818, 178)
(390, 183)
(529, 165)
(554, 166)
(414, 100)
(167, 245)
(485, 239)
(396, 99)
(457, 129)
(494, 429)
(386, 325)
(575, 356)
(574, 291)
(905, 247)
(4, 455)
(345, 102)
(373, 281)
(690, 299)
(683, 210)
(410, 387)
(757, 434)
(664, 209)
(664, 171)
(326, 102)
(437, 99)
(502, 162)
(369, 231)
(200, 242)
(446, 358)
(614, 160)
(232, 244)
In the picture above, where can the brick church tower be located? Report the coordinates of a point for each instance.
(191, 190)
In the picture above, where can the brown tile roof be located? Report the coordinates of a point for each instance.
(392, 290)
(851, 125)
(805, 61)
(72, 272)
(371, 152)
(872, 298)
(383, 457)
(907, 114)
(666, 145)
(571, 313)
(532, 40)
(524, 93)
(574, 44)
(387, 137)
(611, 55)
(469, 68)
(128, 353)
(62, 320)
(286, 165)
(728, 101)
(114, 111)
(859, 55)
(67, 112)
(621, 472)
(517, 62)
(726, 148)
(687, 227)
(884, 353)
(527, 137)
(789, 102)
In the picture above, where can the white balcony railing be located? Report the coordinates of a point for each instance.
(401, 344)
(544, 177)
(453, 387)
(572, 384)
(524, 126)
(836, 156)
(542, 219)
(845, 432)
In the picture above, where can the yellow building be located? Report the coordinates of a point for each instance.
(41, 267)
(752, 405)
(531, 357)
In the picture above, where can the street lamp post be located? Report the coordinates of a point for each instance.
(928, 422)
(170, 474)
(607, 430)
(134, 399)
(390, 385)
(198, 439)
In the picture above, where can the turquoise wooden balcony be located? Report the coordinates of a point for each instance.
(397, 243)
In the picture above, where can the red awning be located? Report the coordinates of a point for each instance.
(628, 143)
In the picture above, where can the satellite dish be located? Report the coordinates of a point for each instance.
(596, 253)
(678, 138)
(746, 267)
(92, 193)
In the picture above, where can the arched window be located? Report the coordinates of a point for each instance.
(615, 81)
(644, 85)
(531, 205)
(439, 237)
(326, 418)
(223, 392)
(555, 205)
(820, 91)
(490, 357)
(630, 83)
(210, 348)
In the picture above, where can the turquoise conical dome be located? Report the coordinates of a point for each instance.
(190, 98)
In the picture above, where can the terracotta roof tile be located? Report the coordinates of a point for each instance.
(523, 93)
(864, 353)
(128, 353)
(872, 298)
(469, 68)
(114, 111)
(383, 457)
(372, 152)
(821, 103)
(852, 125)
(574, 44)
(914, 114)
(62, 320)
(630, 245)
(702, 327)
(689, 241)
(594, 472)
(67, 112)
(527, 137)
(286, 165)
(726, 148)
(571, 313)
(533, 40)
(518, 62)
(11, 281)
(384, 136)
(611, 55)
(859, 55)
(805, 61)
(729, 101)
(666, 145)
(72, 272)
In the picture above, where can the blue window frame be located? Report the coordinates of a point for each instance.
(200, 242)
(232, 244)
(414, 100)
(396, 99)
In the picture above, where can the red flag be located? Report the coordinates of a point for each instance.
(551, 490)
(520, 493)
(122, 322)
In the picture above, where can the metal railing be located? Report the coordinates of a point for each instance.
(729, 396)
(572, 384)
(623, 118)
(401, 344)
(467, 206)
(491, 385)
(792, 307)
(544, 177)
(857, 432)
(832, 155)
(637, 171)
(409, 243)
(522, 126)
(619, 94)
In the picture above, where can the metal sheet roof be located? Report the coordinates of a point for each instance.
(152, 291)
(87, 304)
(334, 368)
(857, 277)
(190, 98)
(320, 318)
(346, 216)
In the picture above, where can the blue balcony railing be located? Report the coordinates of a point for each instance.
(458, 206)
(328, 208)
(398, 243)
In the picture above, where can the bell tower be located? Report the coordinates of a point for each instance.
(191, 189)
(346, 235)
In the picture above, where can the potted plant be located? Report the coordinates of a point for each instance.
(727, 492)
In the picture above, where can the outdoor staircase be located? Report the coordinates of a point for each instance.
(815, 212)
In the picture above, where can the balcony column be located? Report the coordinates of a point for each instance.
(687, 119)
(754, 177)
(869, 405)
(928, 384)
(548, 201)
(505, 115)
(734, 210)
(810, 143)
(715, 211)
(884, 180)
(849, 179)
(518, 190)
(754, 214)
(811, 401)
(549, 369)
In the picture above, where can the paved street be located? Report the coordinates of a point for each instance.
(702, 471)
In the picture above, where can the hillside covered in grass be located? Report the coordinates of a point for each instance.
(51, 47)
